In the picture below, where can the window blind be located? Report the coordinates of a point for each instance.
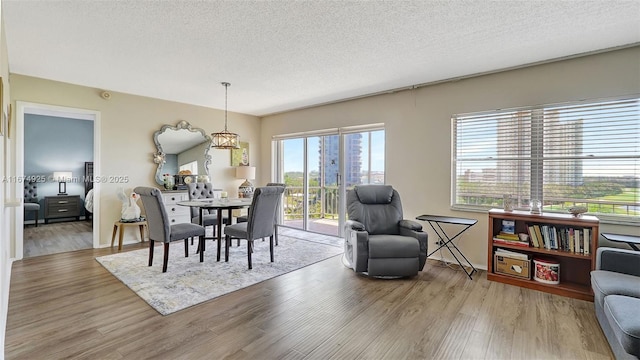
(585, 153)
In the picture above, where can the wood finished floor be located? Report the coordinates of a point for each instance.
(67, 306)
(57, 237)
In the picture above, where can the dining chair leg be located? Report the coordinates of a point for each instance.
(186, 247)
(151, 252)
(166, 257)
(271, 246)
(227, 239)
(219, 249)
(201, 240)
(249, 251)
(275, 231)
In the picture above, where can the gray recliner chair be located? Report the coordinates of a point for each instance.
(31, 199)
(378, 241)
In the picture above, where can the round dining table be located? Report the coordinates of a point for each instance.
(219, 205)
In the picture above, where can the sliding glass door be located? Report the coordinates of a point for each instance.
(319, 168)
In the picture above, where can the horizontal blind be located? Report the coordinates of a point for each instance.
(584, 153)
(492, 157)
(592, 156)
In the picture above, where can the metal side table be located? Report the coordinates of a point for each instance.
(446, 240)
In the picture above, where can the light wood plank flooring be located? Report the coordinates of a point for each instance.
(67, 306)
(57, 237)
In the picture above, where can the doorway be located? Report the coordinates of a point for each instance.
(61, 233)
(318, 169)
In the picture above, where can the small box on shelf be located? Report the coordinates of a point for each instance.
(513, 267)
(508, 226)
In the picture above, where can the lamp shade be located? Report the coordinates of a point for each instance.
(246, 172)
(62, 175)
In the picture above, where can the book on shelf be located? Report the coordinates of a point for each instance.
(533, 236)
(506, 236)
(587, 241)
(562, 238)
(511, 242)
(577, 241)
(572, 246)
(543, 243)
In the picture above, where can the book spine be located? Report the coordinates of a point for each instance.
(572, 246)
(533, 236)
(587, 241)
(543, 244)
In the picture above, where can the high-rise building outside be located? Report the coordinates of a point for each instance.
(329, 153)
(562, 139)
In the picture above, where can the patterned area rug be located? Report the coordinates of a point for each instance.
(188, 282)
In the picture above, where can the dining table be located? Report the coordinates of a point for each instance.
(219, 205)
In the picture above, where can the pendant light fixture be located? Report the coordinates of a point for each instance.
(225, 139)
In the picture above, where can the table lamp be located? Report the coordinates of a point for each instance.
(246, 188)
(62, 177)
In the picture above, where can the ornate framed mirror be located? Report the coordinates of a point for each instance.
(181, 147)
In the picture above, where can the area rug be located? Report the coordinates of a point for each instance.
(188, 282)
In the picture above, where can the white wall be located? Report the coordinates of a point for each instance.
(418, 125)
(6, 212)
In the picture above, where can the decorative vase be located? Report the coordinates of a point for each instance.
(168, 182)
(536, 206)
(507, 202)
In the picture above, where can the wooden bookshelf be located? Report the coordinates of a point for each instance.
(575, 267)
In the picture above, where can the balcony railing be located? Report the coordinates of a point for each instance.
(596, 206)
(323, 202)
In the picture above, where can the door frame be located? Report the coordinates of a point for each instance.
(277, 159)
(23, 108)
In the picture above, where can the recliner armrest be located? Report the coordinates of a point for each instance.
(356, 245)
(354, 225)
(618, 260)
(422, 238)
(410, 224)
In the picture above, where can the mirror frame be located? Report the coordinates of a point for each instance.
(159, 155)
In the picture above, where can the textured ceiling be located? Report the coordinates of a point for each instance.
(282, 55)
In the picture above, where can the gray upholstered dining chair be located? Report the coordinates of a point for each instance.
(161, 230)
(31, 199)
(204, 191)
(243, 218)
(260, 222)
(378, 241)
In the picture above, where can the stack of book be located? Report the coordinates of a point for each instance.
(560, 238)
(509, 239)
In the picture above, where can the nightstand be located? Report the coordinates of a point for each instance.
(61, 206)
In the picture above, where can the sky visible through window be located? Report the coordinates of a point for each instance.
(294, 155)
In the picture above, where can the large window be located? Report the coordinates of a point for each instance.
(585, 153)
(318, 167)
